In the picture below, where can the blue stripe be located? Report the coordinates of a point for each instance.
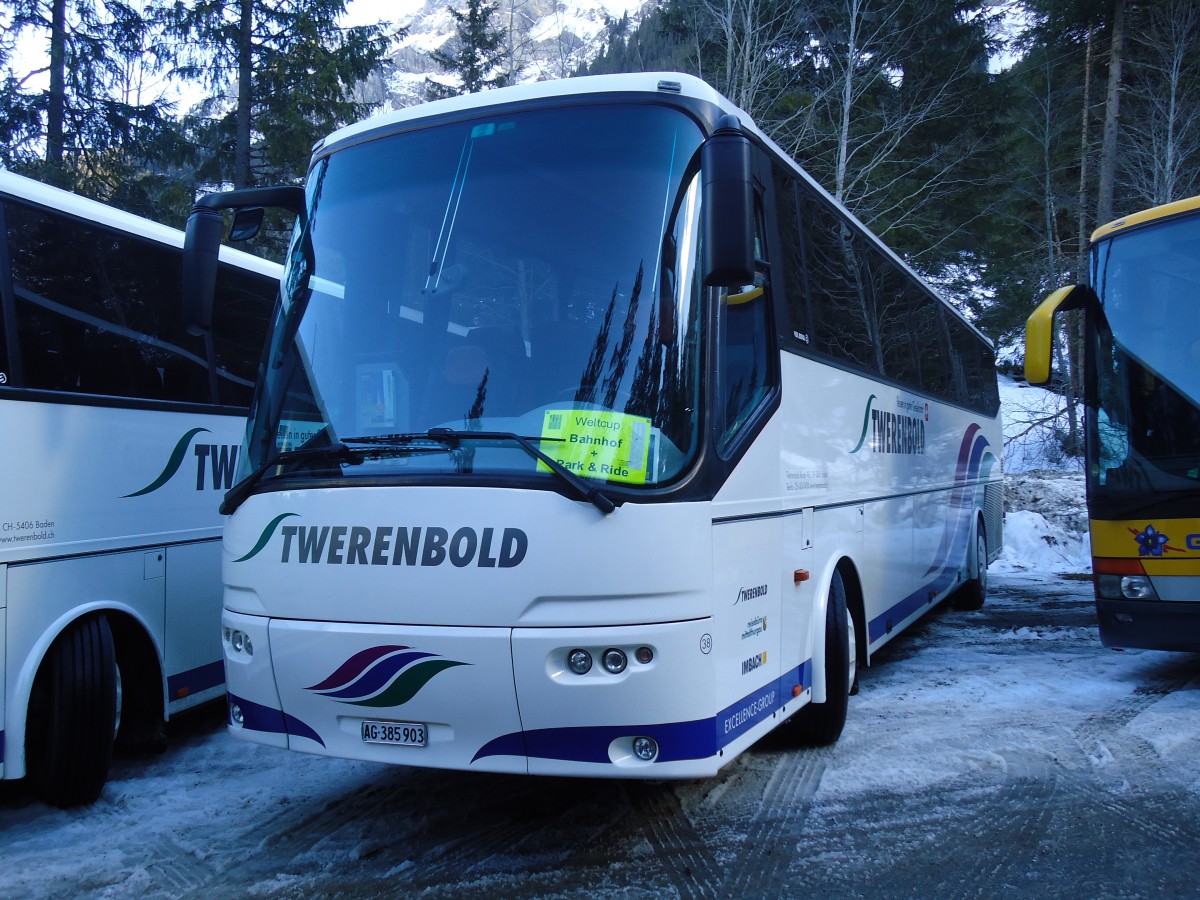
(696, 739)
(256, 717)
(194, 681)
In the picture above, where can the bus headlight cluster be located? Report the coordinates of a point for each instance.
(614, 660)
(239, 641)
(1125, 587)
(1138, 587)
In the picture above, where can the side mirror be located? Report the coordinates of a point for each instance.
(202, 242)
(246, 223)
(728, 206)
(1039, 328)
(201, 248)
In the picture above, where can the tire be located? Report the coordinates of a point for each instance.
(72, 715)
(821, 724)
(972, 594)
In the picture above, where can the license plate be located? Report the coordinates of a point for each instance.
(403, 734)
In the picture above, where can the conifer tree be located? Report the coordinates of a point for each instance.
(478, 56)
(282, 76)
(95, 125)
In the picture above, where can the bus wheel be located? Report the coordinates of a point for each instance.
(72, 715)
(972, 594)
(821, 724)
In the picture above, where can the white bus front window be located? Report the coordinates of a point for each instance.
(510, 275)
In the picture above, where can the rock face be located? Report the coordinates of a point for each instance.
(547, 39)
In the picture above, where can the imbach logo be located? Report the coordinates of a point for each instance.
(399, 545)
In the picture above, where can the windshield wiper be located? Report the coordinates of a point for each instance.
(339, 453)
(451, 438)
(400, 444)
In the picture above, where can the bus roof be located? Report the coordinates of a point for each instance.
(672, 84)
(20, 187)
(1166, 211)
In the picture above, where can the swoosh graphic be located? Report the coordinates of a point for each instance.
(173, 465)
(405, 687)
(265, 537)
(866, 421)
(380, 674)
(354, 666)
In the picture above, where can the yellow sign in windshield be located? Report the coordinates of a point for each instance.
(597, 444)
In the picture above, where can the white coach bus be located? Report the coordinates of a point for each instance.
(118, 432)
(594, 439)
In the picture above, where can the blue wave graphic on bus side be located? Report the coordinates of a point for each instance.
(975, 461)
(972, 456)
(388, 675)
(256, 717)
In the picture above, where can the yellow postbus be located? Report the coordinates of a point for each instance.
(1142, 376)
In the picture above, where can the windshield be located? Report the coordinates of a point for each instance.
(530, 275)
(1146, 431)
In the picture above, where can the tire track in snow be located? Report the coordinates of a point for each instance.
(681, 852)
(776, 824)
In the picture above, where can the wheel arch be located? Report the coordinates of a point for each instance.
(132, 627)
(852, 585)
(856, 607)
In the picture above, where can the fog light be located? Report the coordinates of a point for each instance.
(579, 662)
(235, 714)
(247, 646)
(615, 661)
(237, 641)
(1137, 587)
(644, 655)
(645, 749)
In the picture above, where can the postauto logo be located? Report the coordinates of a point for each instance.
(391, 545)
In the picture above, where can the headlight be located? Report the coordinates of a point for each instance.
(1137, 587)
(579, 662)
(615, 661)
(645, 749)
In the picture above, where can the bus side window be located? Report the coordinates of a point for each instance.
(96, 310)
(797, 332)
(746, 372)
(242, 308)
(840, 297)
(7, 332)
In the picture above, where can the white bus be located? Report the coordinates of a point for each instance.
(119, 431)
(594, 439)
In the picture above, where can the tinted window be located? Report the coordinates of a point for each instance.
(848, 299)
(898, 305)
(97, 312)
(243, 304)
(938, 367)
(797, 328)
(746, 344)
(842, 299)
(6, 332)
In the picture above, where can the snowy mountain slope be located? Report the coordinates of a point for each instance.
(549, 39)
